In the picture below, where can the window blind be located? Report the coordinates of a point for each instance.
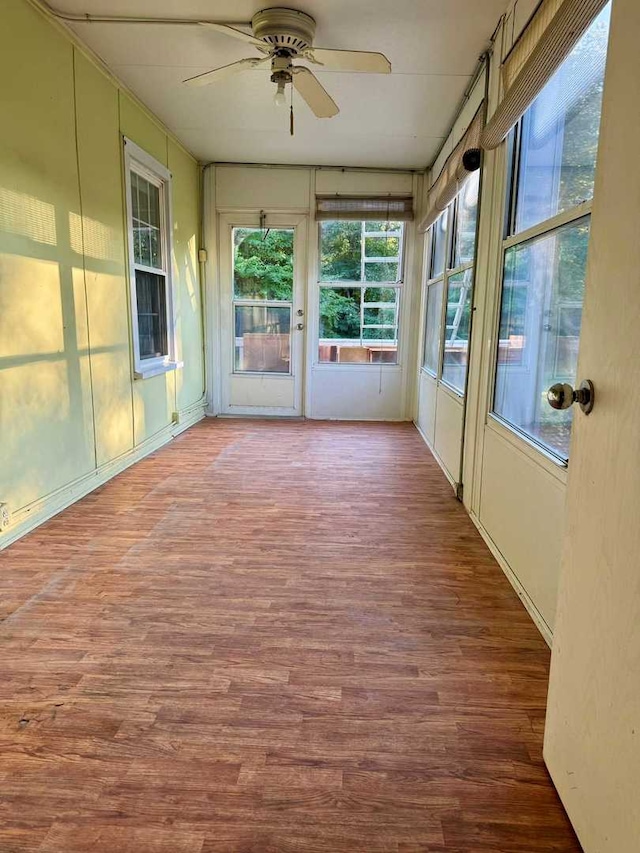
(553, 32)
(524, 45)
(462, 162)
(374, 208)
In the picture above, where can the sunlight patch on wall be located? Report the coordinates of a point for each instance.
(31, 314)
(192, 273)
(34, 417)
(27, 216)
(185, 270)
(94, 239)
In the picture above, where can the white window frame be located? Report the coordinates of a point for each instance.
(444, 277)
(508, 237)
(511, 238)
(367, 285)
(139, 161)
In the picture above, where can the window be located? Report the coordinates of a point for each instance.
(453, 242)
(360, 281)
(148, 208)
(466, 218)
(262, 299)
(432, 336)
(457, 323)
(554, 158)
(439, 245)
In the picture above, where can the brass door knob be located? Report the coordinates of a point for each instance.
(562, 396)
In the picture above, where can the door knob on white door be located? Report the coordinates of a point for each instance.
(299, 326)
(562, 396)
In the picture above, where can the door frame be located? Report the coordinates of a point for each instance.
(224, 362)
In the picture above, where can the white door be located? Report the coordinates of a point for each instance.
(262, 314)
(592, 738)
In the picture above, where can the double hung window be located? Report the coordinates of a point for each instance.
(553, 153)
(148, 209)
(449, 288)
(361, 268)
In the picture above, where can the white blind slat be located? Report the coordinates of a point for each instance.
(529, 69)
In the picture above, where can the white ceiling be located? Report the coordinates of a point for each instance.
(392, 121)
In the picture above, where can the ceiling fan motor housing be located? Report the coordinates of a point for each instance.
(284, 29)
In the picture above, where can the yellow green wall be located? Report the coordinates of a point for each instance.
(71, 413)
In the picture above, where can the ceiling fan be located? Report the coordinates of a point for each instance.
(283, 35)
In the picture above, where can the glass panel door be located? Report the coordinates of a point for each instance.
(262, 299)
(261, 313)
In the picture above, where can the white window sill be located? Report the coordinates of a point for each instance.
(156, 369)
(539, 454)
(454, 393)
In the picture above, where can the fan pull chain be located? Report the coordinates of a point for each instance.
(291, 129)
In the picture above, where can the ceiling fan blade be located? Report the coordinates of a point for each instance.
(313, 92)
(350, 60)
(234, 33)
(226, 71)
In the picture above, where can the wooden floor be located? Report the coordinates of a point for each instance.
(271, 638)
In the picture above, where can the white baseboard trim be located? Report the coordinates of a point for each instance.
(34, 514)
(434, 453)
(523, 595)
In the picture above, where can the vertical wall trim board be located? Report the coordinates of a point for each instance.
(472, 320)
(125, 226)
(84, 256)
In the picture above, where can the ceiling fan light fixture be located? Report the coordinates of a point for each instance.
(280, 99)
(283, 35)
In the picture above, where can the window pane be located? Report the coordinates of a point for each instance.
(151, 301)
(387, 246)
(263, 264)
(357, 251)
(380, 316)
(372, 334)
(456, 339)
(381, 271)
(439, 247)
(466, 216)
(560, 133)
(263, 338)
(539, 332)
(145, 209)
(432, 333)
(358, 325)
(340, 312)
(340, 251)
(383, 226)
(380, 294)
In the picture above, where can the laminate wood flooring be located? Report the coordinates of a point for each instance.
(271, 637)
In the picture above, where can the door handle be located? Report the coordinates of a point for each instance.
(299, 326)
(562, 396)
